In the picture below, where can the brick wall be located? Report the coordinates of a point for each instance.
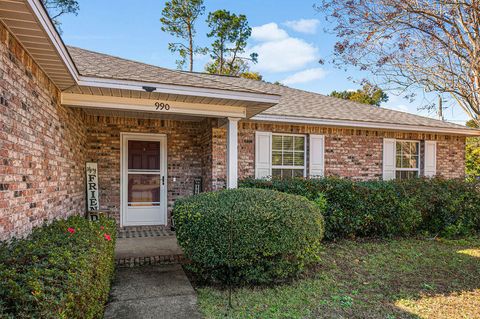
(352, 153)
(451, 157)
(186, 155)
(41, 146)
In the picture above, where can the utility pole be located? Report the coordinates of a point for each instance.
(440, 108)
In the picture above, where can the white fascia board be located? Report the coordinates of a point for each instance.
(42, 16)
(360, 124)
(147, 105)
(178, 89)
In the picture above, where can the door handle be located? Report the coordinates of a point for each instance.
(163, 180)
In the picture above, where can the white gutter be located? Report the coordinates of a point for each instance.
(360, 124)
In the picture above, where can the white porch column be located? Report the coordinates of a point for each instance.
(232, 152)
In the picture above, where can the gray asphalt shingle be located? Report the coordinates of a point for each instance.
(293, 102)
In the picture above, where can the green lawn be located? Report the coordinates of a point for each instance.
(396, 279)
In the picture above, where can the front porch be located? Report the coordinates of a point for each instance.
(145, 164)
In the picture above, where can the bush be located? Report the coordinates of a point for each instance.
(389, 208)
(449, 208)
(62, 270)
(248, 235)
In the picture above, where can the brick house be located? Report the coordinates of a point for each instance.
(155, 135)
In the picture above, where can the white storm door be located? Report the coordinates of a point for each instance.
(144, 189)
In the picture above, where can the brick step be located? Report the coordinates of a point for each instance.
(150, 260)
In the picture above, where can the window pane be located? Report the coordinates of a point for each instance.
(413, 162)
(414, 148)
(144, 155)
(408, 161)
(276, 173)
(298, 173)
(287, 173)
(399, 148)
(405, 161)
(276, 158)
(399, 161)
(288, 158)
(276, 142)
(299, 158)
(406, 174)
(143, 190)
(288, 143)
(299, 143)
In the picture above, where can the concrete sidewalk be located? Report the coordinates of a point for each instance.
(149, 292)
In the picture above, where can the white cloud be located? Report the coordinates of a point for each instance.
(285, 55)
(305, 76)
(304, 25)
(278, 52)
(268, 32)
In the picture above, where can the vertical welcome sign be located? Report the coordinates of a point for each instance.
(92, 187)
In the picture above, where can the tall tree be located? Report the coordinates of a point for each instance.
(178, 19)
(57, 8)
(252, 76)
(433, 45)
(368, 94)
(230, 33)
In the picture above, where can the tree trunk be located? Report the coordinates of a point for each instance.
(190, 40)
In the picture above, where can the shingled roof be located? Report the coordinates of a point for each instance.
(101, 65)
(293, 103)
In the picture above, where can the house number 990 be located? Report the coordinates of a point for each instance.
(162, 106)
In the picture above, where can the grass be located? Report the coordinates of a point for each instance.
(394, 279)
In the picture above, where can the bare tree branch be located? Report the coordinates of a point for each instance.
(433, 45)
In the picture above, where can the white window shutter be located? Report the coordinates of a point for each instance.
(389, 152)
(317, 156)
(263, 154)
(430, 158)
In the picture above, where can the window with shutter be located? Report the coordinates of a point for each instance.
(401, 159)
(288, 156)
(407, 159)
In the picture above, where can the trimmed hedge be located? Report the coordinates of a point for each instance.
(432, 207)
(62, 270)
(248, 235)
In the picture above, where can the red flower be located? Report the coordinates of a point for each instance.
(71, 230)
(102, 228)
(107, 237)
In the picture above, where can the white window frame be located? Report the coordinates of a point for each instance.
(419, 158)
(304, 167)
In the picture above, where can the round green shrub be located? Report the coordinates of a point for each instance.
(248, 235)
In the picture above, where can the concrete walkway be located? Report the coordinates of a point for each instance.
(148, 292)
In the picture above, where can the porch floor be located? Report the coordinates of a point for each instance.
(144, 247)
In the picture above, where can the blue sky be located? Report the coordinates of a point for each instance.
(288, 36)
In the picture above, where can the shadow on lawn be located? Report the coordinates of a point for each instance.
(403, 279)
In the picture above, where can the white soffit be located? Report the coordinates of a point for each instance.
(30, 24)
